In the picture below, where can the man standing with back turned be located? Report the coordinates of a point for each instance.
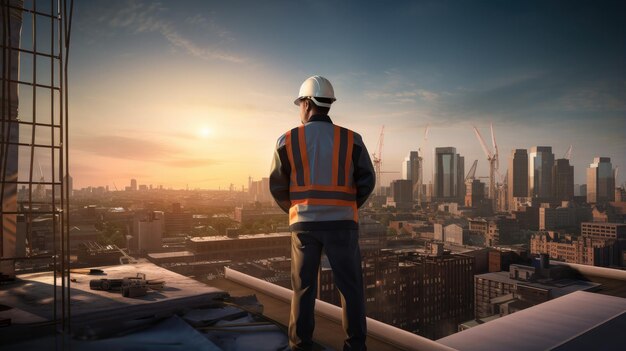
(321, 174)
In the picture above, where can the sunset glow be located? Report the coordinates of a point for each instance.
(197, 92)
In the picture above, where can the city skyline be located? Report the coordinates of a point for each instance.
(196, 94)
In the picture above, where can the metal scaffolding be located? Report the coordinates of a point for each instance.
(34, 172)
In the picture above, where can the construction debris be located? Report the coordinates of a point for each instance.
(128, 286)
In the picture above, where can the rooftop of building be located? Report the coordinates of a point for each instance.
(479, 321)
(100, 317)
(185, 315)
(558, 287)
(595, 324)
(238, 237)
(171, 254)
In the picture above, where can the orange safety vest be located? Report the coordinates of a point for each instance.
(321, 202)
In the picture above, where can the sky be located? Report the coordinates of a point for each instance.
(195, 93)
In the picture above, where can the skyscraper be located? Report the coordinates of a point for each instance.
(518, 177)
(563, 180)
(600, 181)
(460, 178)
(133, 184)
(412, 170)
(402, 192)
(474, 193)
(448, 175)
(541, 161)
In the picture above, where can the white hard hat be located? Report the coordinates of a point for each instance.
(316, 87)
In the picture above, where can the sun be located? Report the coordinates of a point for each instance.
(204, 132)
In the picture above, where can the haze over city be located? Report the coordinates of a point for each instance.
(139, 209)
(195, 93)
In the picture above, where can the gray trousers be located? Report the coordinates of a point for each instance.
(342, 249)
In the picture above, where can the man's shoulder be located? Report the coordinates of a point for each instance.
(281, 139)
(356, 136)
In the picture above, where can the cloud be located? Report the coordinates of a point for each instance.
(150, 17)
(599, 97)
(201, 22)
(201, 52)
(190, 162)
(552, 97)
(138, 149)
(404, 96)
(122, 147)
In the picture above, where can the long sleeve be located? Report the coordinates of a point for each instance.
(279, 176)
(364, 175)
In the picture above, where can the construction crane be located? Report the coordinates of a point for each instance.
(471, 175)
(377, 158)
(493, 163)
(568, 154)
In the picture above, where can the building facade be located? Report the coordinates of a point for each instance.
(518, 178)
(402, 193)
(563, 180)
(603, 230)
(540, 164)
(600, 181)
(474, 193)
(448, 175)
(241, 248)
(412, 170)
(581, 250)
(150, 232)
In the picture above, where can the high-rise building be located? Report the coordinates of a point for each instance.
(600, 181)
(412, 170)
(402, 193)
(620, 195)
(474, 193)
(460, 178)
(518, 178)
(133, 184)
(502, 197)
(540, 163)
(260, 190)
(150, 232)
(448, 175)
(563, 180)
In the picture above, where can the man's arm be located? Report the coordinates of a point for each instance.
(364, 175)
(279, 176)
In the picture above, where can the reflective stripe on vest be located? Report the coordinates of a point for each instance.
(341, 191)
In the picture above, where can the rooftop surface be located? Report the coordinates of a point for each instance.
(197, 316)
(99, 316)
(185, 315)
(33, 292)
(171, 254)
(558, 287)
(327, 331)
(595, 324)
(239, 237)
